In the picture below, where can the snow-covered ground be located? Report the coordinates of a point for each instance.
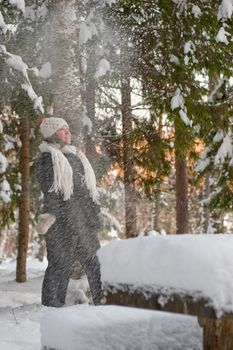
(20, 305)
(20, 309)
(21, 315)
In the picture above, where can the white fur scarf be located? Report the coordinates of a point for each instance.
(63, 173)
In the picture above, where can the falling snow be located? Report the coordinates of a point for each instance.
(102, 68)
(20, 4)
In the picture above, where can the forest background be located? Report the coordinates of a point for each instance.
(147, 89)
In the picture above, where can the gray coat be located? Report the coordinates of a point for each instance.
(72, 236)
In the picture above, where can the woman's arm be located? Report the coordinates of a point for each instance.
(44, 171)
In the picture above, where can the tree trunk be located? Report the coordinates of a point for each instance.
(157, 192)
(130, 195)
(213, 82)
(206, 209)
(65, 59)
(89, 100)
(155, 210)
(65, 66)
(24, 205)
(181, 187)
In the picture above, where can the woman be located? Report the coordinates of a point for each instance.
(70, 212)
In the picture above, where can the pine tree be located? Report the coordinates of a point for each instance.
(175, 43)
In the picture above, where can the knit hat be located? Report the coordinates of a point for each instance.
(48, 126)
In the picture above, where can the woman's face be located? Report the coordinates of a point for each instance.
(64, 134)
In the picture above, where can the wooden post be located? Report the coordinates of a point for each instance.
(217, 334)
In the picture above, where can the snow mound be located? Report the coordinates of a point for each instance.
(200, 265)
(115, 327)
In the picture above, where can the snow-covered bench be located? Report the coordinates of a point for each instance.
(188, 274)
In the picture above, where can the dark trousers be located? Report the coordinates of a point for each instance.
(63, 248)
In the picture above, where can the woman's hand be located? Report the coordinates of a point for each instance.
(45, 221)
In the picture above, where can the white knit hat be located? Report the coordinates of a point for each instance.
(50, 125)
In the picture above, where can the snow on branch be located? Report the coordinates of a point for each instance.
(225, 150)
(16, 62)
(177, 101)
(5, 191)
(108, 2)
(222, 35)
(225, 12)
(3, 163)
(203, 161)
(20, 4)
(3, 25)
(215, 90)
(92, 26)
(87, 121)
(46, 70)
(189, 51)
(196, 11)
(218, 136)
(87, 29)
(102, 68)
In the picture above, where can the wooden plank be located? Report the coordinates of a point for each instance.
(158, 300)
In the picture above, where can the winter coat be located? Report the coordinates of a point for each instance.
(77, 216)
